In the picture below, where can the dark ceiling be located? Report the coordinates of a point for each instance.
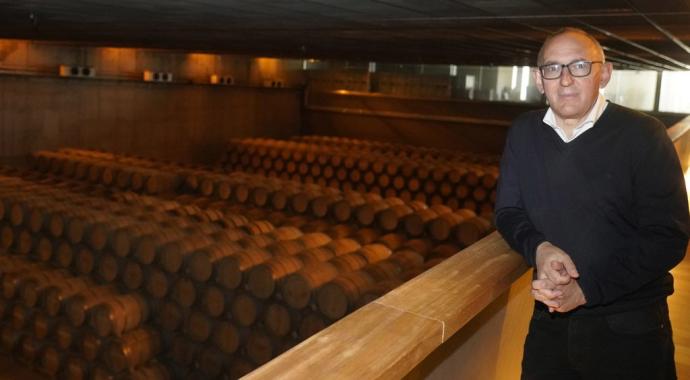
(641, 34)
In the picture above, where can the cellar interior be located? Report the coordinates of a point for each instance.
(207, 189)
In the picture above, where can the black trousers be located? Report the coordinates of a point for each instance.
(630, 345)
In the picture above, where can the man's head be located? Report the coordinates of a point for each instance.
(571, 94)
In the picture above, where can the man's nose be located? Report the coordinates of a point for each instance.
(566, 79)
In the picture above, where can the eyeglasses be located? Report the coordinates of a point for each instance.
(577, 69)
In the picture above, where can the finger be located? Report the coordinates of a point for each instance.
(549, 294)
(559, 267)
(556, 276)
(555, 295)
(548, 302)
(564, 308)
(570, 267)
(543, 284)
(548, 288)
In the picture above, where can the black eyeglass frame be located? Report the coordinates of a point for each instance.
(567, 65)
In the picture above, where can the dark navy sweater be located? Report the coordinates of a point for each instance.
(614, 199)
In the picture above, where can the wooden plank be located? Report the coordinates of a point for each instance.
(374, 342)
(460, 287)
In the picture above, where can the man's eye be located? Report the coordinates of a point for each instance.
(552, 68)
(578, 65)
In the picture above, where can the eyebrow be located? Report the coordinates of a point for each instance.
(574, 60)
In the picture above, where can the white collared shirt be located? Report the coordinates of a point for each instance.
(592, 117)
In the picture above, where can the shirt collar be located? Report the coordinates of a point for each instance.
(587, 123)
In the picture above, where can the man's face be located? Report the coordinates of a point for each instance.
(572, 98)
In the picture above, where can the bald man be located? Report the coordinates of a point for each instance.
(592, 195)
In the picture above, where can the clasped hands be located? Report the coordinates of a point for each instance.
(556, 285)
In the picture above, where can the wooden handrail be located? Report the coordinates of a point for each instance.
(678, 129)
(390, 336)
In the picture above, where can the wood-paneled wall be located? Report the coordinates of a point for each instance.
(453, 124)
(182, 122)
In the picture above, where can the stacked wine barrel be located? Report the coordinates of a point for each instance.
(403, 150)
(202, 273)
(324, 205)
(115, 171)
(449, 181)
(62, 317)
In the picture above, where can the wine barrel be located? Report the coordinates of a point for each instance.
(230, 269)
(201, 263)
(185, 292)
(54, 296)
(311, 324)
(226, 337)
(132, 349)
(43, 325)
(471, 230)
(91, 345)
(337, 297)
(51, 360)
(261, 279)
(211, 361)
(198, 327)
(246, 309)
(260, 347)
(296, 290)
(170, 316)
(79, 305)
(119, 314)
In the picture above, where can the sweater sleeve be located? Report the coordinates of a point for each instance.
(660, 241)
(511, 218)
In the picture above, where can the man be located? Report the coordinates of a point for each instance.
(592, 194)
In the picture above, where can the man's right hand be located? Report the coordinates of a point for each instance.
(554, 264)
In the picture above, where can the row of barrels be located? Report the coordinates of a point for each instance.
(436, 184)
(452, 184)
(401, 150)
(121, 175)
(413, 218)
(131, 160)
(70, 328)
(252, 151)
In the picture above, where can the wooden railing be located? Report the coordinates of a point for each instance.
(681, 140)
(390, 336)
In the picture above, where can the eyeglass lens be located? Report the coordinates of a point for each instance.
(576, 69)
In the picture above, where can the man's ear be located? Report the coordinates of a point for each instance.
(606, 70)
(537, 80)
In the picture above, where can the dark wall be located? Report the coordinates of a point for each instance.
(187, 123)
(464, 125)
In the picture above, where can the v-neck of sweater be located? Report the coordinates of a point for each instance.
(589, 134)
